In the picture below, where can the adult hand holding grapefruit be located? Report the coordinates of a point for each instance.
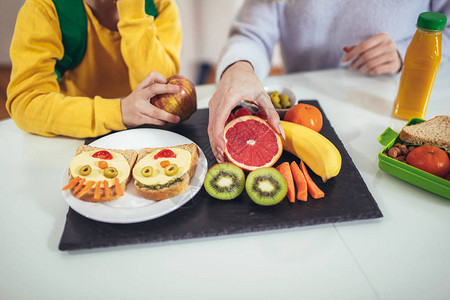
(238, 82)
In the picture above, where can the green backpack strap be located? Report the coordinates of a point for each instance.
(150, 8)
(73, 25)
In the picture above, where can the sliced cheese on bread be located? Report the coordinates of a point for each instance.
(434, 132)
(152, 178)
(90, 164)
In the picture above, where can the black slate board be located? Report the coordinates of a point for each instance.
(346, 198)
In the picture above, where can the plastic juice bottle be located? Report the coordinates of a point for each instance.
(422, 60)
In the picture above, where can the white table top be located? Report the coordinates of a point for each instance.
(404, 255)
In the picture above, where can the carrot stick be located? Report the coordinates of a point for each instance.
(72, 183)
(106, 188)
(118, 187)
(285, 170)
(79, 186)
(86, 188)
(313, 189)
(97, 190)
(300, 182)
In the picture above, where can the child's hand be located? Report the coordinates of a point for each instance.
(376, 55)
(136, 107)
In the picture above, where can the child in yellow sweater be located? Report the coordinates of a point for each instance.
(128, 57)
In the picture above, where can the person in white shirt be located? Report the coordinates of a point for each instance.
(370, 37)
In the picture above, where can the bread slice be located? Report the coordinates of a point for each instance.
(434, 132)
(130, 156)
(178, 186)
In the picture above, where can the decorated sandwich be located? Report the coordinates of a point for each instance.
(161, 173)
(100, 175)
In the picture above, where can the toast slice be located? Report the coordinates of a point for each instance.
(171, 185)
(434, 132)
(85, 187)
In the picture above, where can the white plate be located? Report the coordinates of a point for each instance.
(132, 208)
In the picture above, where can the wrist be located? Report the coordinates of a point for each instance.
(238, 66)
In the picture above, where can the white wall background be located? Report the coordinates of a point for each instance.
(205, 31)
(8, 14)
(205, 26)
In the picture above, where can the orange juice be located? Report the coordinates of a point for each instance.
(422, 60)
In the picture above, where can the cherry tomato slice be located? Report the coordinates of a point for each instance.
(166, 153)
(103, 154)
(164, 163)
(102, 164)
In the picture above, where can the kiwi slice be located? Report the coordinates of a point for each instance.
(266, 186)
(224, 181)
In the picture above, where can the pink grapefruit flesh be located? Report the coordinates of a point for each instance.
(250, 143)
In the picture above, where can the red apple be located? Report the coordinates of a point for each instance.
(183, 103)
(243, 112)
(261, 114)
(231, 117)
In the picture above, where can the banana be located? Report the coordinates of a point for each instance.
(321, 156)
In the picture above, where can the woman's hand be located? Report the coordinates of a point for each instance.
(376, 55)
(238, 82)
(136, 107)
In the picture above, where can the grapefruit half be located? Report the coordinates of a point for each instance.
(250, 143)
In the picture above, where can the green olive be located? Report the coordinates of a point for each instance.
(275, 98)
(171, 170)
(85, 170)
(284, 97)
(277, 105)
(147, 171)
(110, 172)
(285, 103)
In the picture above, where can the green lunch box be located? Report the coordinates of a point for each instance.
(422, 179)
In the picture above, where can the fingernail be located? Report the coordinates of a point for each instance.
(282, 131)
(347, 48)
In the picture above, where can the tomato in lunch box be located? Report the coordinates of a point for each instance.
(430, 159)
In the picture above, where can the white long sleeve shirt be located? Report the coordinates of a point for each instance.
(312, 33)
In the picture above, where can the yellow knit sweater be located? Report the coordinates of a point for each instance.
(86, 101)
